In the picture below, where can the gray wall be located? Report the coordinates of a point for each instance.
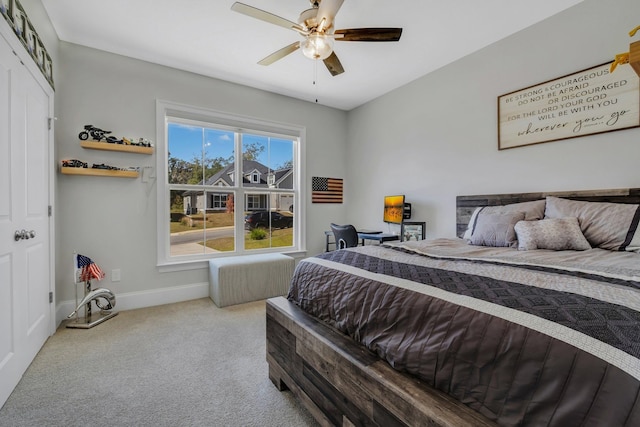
(436, 137)
(113, 220)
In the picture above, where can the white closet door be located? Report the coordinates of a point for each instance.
(25, 314)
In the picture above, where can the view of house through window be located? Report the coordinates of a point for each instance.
(213, 174)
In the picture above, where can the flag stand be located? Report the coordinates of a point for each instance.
(90, 318)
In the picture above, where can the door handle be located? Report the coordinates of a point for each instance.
(24, 235)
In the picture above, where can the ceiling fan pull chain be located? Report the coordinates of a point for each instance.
(315, 77)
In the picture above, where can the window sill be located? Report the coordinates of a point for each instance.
(200, 264)
(170, 267)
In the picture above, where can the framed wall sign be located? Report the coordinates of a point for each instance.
(591, 101)
(412, 231)
(14, 14)
(7, 10)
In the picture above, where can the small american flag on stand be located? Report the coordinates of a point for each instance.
(90, 269)
(326, 190)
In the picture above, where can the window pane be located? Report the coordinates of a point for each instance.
(218, 151)
(270, 223)
(283, 202)
(185, 154)
(186, 225)
(220, 223)
(197, 227)
(267, 162)
(198, 154)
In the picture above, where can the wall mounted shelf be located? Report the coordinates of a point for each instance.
(106, 146)
(99, 172)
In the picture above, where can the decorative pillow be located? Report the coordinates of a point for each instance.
(496, 229)
(611, 226)
(558, 234)
(533, 210)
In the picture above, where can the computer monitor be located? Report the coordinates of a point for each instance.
(393, 209)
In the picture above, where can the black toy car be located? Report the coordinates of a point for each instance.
(74, 163)
(103, 166)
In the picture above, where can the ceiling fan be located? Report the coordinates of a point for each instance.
(316, 26)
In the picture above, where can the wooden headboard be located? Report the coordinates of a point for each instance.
(465, 205)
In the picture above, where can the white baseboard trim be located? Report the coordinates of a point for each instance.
(133, 300)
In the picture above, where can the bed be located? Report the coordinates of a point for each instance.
(530, 317)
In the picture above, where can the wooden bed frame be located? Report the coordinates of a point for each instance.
(342, 383)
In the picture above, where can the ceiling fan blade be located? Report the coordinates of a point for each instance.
(327, 11)
(333, 64)
(368, 35)
(279, 54)
(266, 16)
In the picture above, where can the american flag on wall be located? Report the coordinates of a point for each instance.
(326, 190)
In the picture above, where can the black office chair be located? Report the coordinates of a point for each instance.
(346, 236)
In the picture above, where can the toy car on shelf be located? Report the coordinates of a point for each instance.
(114, 168)
(114, 140)
(103, 166)
(140, 142)
(74, 163)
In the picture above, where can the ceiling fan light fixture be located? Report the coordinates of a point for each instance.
(317, 27)
(317, 46)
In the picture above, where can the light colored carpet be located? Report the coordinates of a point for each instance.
(184, 364)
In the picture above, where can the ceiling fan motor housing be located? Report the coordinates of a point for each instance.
(307, 18)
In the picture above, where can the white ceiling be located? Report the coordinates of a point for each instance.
(206, 37)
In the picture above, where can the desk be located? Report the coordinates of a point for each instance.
(379, 237)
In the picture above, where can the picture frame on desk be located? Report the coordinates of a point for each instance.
(412, 231)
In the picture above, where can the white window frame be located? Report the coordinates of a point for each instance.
(221, 120)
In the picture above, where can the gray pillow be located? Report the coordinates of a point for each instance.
(558, 234)
(533, 210)
(496, 229)
(611, 226)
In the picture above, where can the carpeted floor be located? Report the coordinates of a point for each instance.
(184, 364)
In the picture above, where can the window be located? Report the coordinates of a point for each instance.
(256, 202)
(218, 201)
(227, 185)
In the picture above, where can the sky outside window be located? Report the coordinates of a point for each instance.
(186, 143)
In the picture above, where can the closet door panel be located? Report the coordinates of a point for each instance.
(25, 254)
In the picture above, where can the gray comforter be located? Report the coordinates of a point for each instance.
(525, 338)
